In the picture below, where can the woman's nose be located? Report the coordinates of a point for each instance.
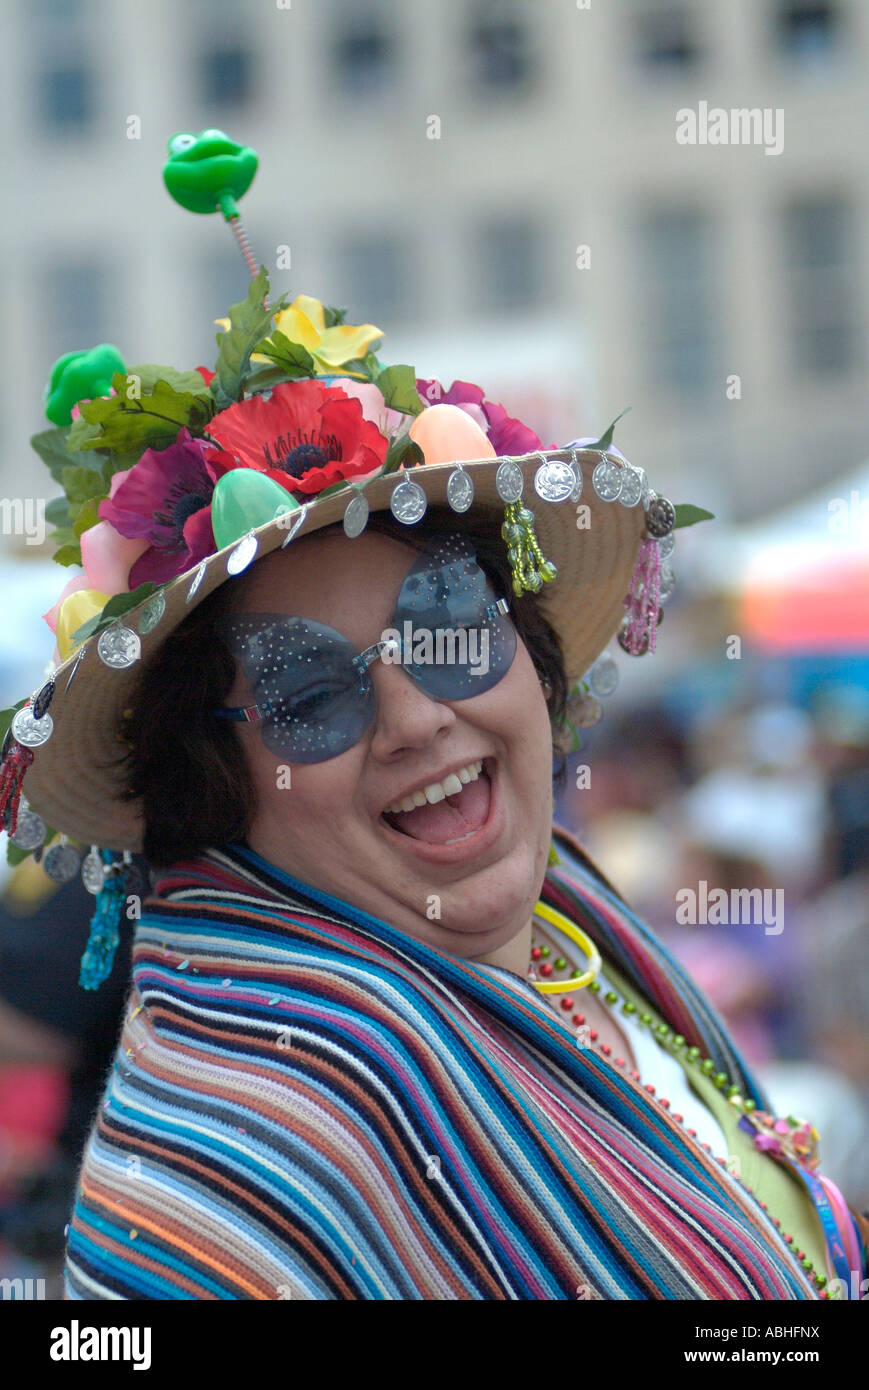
(405, 714)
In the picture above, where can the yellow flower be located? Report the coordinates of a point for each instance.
(304, 322)
(77, 608)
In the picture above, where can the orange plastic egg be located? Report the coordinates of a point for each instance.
(446, 433)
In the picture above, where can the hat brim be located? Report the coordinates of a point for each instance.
(69, 782)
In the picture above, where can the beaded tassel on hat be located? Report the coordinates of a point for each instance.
(643, 601)
(530, 568)
(15, 764)
(99, 954)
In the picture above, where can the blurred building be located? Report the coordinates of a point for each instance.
(496, 183)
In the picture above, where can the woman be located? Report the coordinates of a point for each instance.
(390, 1034)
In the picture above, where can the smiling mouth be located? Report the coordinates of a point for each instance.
(451, 820)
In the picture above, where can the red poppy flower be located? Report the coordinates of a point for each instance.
(306, 436)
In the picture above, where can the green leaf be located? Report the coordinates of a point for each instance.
(292, 358)
(68, 555)
(151, 373)
(331, 316)
(57, 511)
(64, 535)
(7, 715)
(606, 438)
(121, 603)
(152, 422)
(335, 487)
(398, 386)
(402, 450)
(249, 324)
(50, 445)
(264, 378)
(689, 515)
(87, 516)
(372, 364)
(80, 431)
(82, 483)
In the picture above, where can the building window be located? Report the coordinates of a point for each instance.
(820, 246)
(226, 76)
(509, 265)
(665, 38)
(373, 279)
(808, 29)
(64, 99)
(677, 274)
(501, 49)
(363, 50)
(76, 311)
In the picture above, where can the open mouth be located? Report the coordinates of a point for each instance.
(454, 818)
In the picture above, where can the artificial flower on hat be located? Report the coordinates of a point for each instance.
(331, 345)
(165, 501)
(306, 436)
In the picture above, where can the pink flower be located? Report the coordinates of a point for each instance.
(506, 435)
(374, 407)
(163, 501)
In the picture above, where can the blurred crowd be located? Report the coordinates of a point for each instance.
(767, 796)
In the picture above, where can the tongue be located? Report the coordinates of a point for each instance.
(449, 819)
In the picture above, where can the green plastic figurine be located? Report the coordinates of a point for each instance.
(79, 376)
(209, 171)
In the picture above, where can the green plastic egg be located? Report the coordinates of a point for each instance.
(244, 499)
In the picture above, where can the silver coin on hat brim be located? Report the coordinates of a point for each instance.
(604, 675)
(30, 831)
(197, 580)
(355, 516)
(632, 486)
(666, 545)
(408, 502)
(293, 520)
(460, 490)
(61, 863)
(30, 732)
(607, 480)
(118, 646)
(93, 873)
(509, 481)
(554, 481)
(152, 612)
(242, 554)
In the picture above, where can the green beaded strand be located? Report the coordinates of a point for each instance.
(530, 569)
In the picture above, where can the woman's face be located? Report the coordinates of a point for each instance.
(327, 828)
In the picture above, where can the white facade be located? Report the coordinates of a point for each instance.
(464, 248)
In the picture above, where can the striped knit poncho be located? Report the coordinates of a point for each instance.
(307, 1103)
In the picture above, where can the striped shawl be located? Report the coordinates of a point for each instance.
(307, 1103)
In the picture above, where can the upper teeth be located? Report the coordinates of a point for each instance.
(437, 791)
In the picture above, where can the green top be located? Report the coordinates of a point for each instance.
(770, 1181)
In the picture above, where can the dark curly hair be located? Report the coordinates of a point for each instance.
(187, 769)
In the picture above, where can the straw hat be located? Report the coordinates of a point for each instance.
(67, 783)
